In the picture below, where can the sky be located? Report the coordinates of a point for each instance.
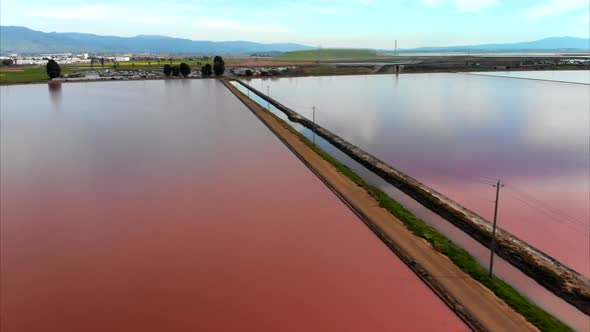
(325, 23)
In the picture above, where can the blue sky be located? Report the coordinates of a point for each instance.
(329, 23)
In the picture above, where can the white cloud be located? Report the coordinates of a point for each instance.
(328, 6)
(464, 6)
(70, 13)
(355, 2)
(554, 7)
(234, 25)
(431, 3)
(99, 14)
(309, 8)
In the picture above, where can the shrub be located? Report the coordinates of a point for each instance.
(206, 70)
(167, 69)
(185, 69)
(176, 71)
(53, 69)
(218, 66)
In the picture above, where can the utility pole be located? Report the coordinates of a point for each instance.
(313, 117)
(498, 185)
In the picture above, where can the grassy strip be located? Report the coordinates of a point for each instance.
(535, 315)
(33, 74)
(327, 55)
(24, 75)
(336, 70)
(10, 75)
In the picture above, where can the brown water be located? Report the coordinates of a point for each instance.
(167, 206)
(459, 132)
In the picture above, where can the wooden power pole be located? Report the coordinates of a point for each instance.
(313, 119)
(498, 185)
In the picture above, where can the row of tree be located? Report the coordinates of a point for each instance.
(53, 69)
(183, 69)
(206, 71)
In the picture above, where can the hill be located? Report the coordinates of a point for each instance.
(15, 39)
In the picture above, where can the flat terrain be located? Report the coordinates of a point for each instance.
(323, 62)
(167, 206)
(327, 55)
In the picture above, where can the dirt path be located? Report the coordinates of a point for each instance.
(474, 303)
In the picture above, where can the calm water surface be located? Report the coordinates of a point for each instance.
(459, 132)
(167, 206)
(572, 76)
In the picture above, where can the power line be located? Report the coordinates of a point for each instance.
(498, 185)
(545, 205)
(536, 204)
(551, 217)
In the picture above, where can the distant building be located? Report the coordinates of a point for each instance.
(62, 58)
(118, 58)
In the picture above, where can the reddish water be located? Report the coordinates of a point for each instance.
(458, 132)
(166, 206)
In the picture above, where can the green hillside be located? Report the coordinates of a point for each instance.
(327, 55)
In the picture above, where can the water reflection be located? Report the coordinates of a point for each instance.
(55, 94)
(456, 132)
(167, 201)
(528, 287)
(572, 76)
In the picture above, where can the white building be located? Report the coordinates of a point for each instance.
(59, 58)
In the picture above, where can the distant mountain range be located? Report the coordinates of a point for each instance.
(14, 39)
(546, 44)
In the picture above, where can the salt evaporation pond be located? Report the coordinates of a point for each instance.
(459, 132)
(572, 76)
(167, 206)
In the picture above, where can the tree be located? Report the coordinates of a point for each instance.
(167, 69)
(185, 69)
(206, 70)
(7, 62)
(218, 66)
(249, 72)
(53, 70)
(175, 71)
(102, 62)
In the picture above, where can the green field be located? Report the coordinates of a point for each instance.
(9, 75)
(330, 70)
(327, 55)
(30, 74)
